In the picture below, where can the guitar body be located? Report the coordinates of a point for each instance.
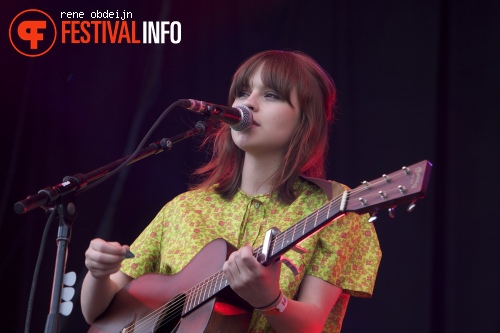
(135, 307)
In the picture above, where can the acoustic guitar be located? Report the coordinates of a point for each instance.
(199, 299)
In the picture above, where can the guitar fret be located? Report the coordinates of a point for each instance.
(293, 233)
(285, 240)
(216, 284)
(222, 280)
(308, 225)
(188, 305)
(281, 242)
(198, 297)
(199, 294)
(195, 299)
(213, 284)
(204, 295)
(328, 211)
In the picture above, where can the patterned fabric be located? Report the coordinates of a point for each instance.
(346, 253)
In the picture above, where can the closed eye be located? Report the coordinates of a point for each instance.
(242, 94)
(272, 95)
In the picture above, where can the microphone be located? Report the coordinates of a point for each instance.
(239, 118)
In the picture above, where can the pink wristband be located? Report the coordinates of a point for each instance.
(276, 307)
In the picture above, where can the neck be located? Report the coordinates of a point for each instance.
(257, 173)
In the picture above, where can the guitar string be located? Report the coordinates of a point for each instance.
(218, 277)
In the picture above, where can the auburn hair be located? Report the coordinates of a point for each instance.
(282, 71)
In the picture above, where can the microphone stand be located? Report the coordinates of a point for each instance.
(63, 195)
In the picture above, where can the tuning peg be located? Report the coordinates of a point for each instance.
(373, 217)
(391, 212)
(411, 206)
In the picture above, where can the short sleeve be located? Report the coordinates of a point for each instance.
(348, 255)
(147, 247)
(348, 252)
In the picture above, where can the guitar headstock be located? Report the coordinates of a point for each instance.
(406, 185)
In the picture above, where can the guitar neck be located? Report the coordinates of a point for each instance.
(406, 185)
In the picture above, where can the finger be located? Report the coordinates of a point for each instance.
(233, 263)
(227, 272)
(246, 261)
(104, 258)
(98, 269)
(108, 247)
(96, 259)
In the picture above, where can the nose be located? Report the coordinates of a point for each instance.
(248, 105)
(251, 102)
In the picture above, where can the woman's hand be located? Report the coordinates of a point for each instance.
(104, 277)
(252, 281)
(104, 258)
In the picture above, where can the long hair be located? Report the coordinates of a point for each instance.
(282, 71)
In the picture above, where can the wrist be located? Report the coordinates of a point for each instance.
(100, 277)
(276, 307)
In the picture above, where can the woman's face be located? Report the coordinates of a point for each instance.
(274, 120)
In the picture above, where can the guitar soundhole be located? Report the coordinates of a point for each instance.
(170, 316)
